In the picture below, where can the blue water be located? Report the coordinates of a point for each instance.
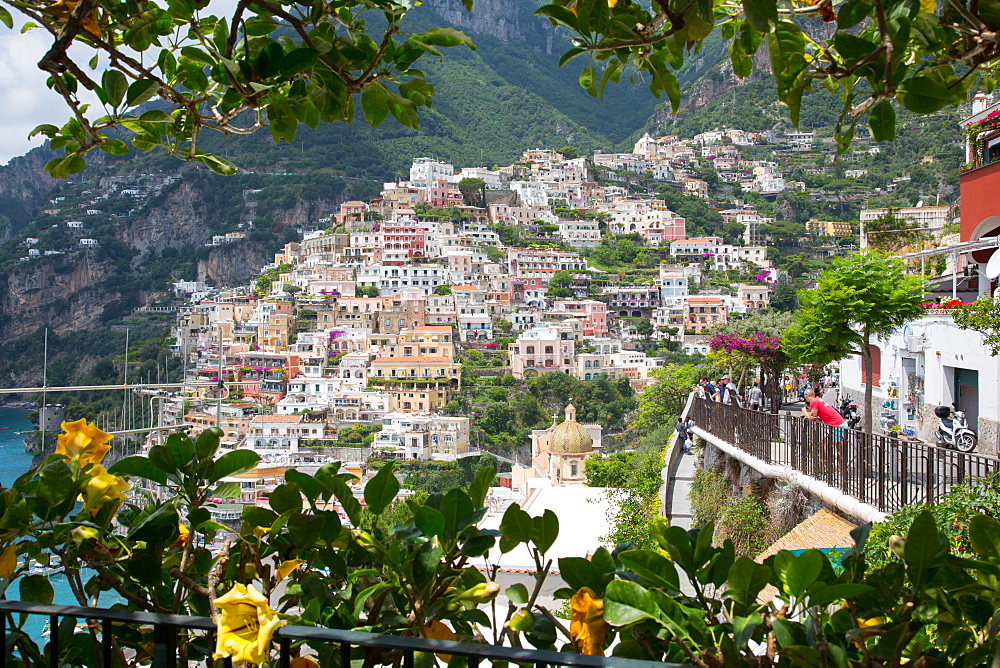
(13, 462)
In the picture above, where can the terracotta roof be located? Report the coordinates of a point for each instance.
(423, 359)
(823, 530)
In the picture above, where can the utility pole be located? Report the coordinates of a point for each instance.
(45, 382)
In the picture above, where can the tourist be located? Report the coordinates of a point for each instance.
(708, 388)
(818, 410)
(728, 392)
(682, 434)
(755, 395)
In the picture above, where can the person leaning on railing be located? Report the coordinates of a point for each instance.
(818, 410)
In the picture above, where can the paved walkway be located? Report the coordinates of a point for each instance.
(680, 505)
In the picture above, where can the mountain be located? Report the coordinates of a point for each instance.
(491, 104)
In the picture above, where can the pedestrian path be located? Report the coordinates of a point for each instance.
(678, 486)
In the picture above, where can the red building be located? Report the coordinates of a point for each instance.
(401, 243)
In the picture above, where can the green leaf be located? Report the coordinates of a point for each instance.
(480, 487)
(375, 102)
(207, 443)
(155, 116)
(570, 55)
(234, 463)
(350, 504)
(515, 528)
(558, 14)
(984, 534)
(742, 63)
(36, 588)
(258, 517)
(285, 497)
(746, 579)
(797, 573)
(217, 164)
(838, 592)
(853, 12)
(517, 594)
(115, 85)
(6, 18)
(924, 544)
(307, 484)
(382, 489)
(578, 572)
(163, 459)
(882, 121)
(113, 147)
(655, 569)
(226, 490)
(762, 14)
(522, 621)
(446, 37)
(429, 521)
(139, 467)
(544, 530)
(923, 95)
(627, 602)
(588, 79)
(197, 55)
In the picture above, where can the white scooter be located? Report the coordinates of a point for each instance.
(953, 429)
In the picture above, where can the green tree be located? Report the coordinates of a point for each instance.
(568, 152)
(473, 191)
(560, 285)
(644, 327)
(365, 291)
(661, 402)
(889, 233)
(444, 290)
(861, 297)
(784, 297)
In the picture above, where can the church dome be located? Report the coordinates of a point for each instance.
(570, 437)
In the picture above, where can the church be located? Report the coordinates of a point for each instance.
(559, 452)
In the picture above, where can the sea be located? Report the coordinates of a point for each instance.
(13, 462)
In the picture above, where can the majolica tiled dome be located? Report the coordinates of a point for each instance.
(570, 437)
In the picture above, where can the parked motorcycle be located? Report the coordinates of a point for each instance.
(849, 411)
(953, 429)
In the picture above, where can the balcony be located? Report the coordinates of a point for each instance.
(354, 646)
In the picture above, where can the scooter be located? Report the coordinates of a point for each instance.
(849, 411)
(953, 429)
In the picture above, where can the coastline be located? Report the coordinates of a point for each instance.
(27, 405)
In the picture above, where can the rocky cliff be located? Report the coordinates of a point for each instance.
(59, 292)
(234, 264)
(504, 19)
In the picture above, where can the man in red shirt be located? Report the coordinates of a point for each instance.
(817, 409)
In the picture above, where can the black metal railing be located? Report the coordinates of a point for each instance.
(354, 646)
(887, 473)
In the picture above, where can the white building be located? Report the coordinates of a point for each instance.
(927, 363)
(422, 436)
(425, 171)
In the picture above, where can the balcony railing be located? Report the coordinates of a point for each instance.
(887, 473)
(354, 645)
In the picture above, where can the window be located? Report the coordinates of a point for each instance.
(572, 469)
(530, 350)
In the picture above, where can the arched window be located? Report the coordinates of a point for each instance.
(572, 469)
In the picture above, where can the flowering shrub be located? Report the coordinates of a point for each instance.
(416, 575)
(951, 303)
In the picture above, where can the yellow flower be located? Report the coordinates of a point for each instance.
(103, 488)
(61, 9)
(612, 3)
(304, 662)
(587, 627)
(183, 536)
(436, 630)
(8, 561)
(287, 567)
(83, 440)
(245, 625)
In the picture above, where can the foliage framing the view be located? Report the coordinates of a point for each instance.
(277, 63)
(271, 63)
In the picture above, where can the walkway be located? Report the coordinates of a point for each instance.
(678, 484)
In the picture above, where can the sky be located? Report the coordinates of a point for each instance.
(25, 101)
